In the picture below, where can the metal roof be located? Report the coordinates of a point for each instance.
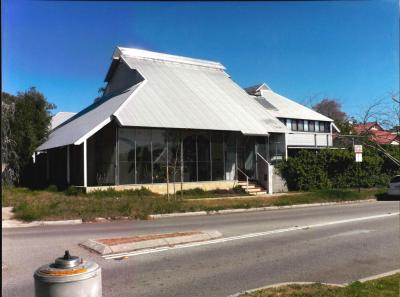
(287, 108)
(177, 92)
(179, 95)
(88, 121)
(60, 118)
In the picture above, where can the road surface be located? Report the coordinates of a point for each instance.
(343, 251)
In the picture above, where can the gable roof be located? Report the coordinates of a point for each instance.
(60, 118)
(282, 107)
(193, 96)
(88, 121)
(177, 92)
(253, 90)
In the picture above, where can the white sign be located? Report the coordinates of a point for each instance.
(358, 157)
(358, 148)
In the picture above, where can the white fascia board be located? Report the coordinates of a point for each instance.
(93, 131)
(116, 113)
(335, 127)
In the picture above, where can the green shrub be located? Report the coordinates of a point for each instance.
(52, 188)
(310, 170)
(73, 191)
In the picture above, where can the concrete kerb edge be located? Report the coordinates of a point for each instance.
(104, 249)
(266, 208)
(18, 224)
(362, 280)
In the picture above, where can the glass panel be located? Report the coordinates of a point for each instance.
(143, 156)
(300, 125)
(174, 156)
(189, 157)
(246, 155)
(217, 156)
(276, 147)
(294, 125)
(126, 145)
(101, 157)
(230, 156)
(203, 155)
(159, 145)
(311, 126)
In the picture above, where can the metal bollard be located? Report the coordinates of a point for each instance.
(68, 276)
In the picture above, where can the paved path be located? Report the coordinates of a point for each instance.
(334, 253)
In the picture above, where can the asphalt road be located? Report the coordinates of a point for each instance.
(333, 253)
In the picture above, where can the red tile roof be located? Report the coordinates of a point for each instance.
(362, 128)
(384, 137)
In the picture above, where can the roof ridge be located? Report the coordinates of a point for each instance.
(150, 55)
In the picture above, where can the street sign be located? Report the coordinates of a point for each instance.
(358, 149)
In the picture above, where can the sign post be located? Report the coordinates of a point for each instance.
(358, 149)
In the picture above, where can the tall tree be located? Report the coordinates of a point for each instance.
(333, 109)
(27, 125)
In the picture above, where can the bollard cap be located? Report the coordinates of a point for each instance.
(67, 261)
(67, 268)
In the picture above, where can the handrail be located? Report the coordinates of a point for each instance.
(247, 178)
(262, 158)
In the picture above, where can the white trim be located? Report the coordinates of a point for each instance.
(85, 163)
(93, 131)
(335, 127)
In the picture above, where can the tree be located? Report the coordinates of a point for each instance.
(333, 109)
(25, 126)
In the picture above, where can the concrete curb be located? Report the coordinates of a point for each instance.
(310, 283)
(104, 249)
(18, 224)
(266, 208)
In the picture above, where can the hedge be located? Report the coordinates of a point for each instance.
(336, 168)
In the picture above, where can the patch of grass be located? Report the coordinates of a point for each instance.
(217, 193)
(74, 204)
(386, 286)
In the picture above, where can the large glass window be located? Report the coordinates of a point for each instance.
(217, 156)
(159, 146)
(189, 157)
(126, 157)
(143, 156)
(203, 156)
(101, 157)
(174, 156)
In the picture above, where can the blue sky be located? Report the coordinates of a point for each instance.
(347, 50)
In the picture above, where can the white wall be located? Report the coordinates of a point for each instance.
(309, 139)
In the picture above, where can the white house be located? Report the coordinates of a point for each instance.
(166, 118)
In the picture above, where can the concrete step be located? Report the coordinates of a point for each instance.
(258, 193)
(257, 189)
